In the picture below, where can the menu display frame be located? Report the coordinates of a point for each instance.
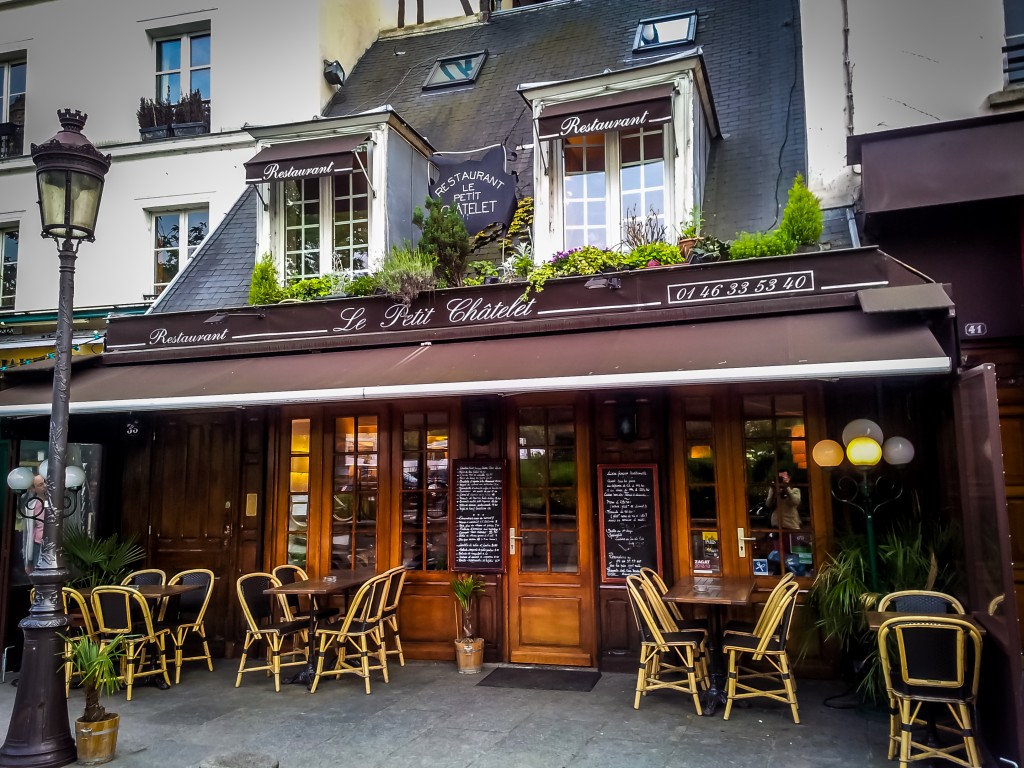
(604, 513)
(461, 514)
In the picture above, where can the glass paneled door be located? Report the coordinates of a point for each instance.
(551, 592)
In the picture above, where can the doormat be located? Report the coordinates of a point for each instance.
(532, 678)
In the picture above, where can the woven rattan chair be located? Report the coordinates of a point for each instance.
(919, 601)
(358, 634)
(123, 611)
(670, 621)
(264, 626)
(145, 576)
(299, 608)
(389, 612)
(75, 604)
(184, 615)
(933, 660)
(766, 646)
(667, 659)
(777, 593)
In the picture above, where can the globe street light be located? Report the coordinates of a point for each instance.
(69, 176)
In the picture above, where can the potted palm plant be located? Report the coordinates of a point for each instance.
(469, 650)
(97, 667)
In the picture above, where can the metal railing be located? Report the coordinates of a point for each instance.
(11, 140)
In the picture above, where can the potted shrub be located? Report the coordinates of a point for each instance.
(154, 119)
(96, 730)
(191, 115)
(469, 650)
(690, 234)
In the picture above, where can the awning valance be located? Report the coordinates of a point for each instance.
(838, 344)
(303, 159)
(638, 108)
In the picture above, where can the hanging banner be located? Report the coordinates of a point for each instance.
(482, 190)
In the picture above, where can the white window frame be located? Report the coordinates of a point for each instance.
(615, 216)
(4, 255)
(185, 68)
(185, 251)
(326, 227)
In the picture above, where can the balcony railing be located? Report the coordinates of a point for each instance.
(11, 139)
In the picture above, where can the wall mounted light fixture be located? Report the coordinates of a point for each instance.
(479, 423)
(334, 73)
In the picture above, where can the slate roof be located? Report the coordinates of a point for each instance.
(751, 51)
(219, 273)
(751, 48)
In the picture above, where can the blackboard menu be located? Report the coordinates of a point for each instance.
(630, 519)
(478, 538)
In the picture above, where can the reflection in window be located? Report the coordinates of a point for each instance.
(12, 107)
(778, 500)
(701, 484)
(455, 70)
(9, 260)
(28, 533)
(183, 66)
(298, 492)
(301, 228)
(351, 223)
(172, 251)
(425, 491)
(547, 490)
(354, 493)
(642, 175)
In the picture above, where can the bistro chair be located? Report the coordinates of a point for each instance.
(261, 626)
(289, 574)
(778, 593)
(667, 622)
(123, 611)
(995, 606)
(931, 659)
(75, 604)
(359, 635)
(185, 614)
(919, 601)
(389, 612)
(144, 577)
(664, 656)
(766, 645)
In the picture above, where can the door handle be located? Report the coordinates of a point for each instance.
(741, 541)
(227, 529)
(512, 539)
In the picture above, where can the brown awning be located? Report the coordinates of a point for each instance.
(303, 159)
(938, 164)
(763, 348)
(610, 112)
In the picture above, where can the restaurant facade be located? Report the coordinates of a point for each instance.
(551, 440)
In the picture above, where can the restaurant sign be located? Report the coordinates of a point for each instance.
(642, 108)
(676, 294)
(482, 190)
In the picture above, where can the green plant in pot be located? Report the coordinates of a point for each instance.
(469, 649)
(97, 667)
(99, 561)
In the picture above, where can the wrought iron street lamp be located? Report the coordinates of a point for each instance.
(69, 176)
(868, 493)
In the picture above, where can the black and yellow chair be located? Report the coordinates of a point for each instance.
(81, 627)
(934, 660)
(919, 601)
(185, 614)
(299, 607)
(670, 620)
(358, 634)
(143, 577)
(667, 659)
(270, 626)
(123, 611)
(766, 647)
(389, 612)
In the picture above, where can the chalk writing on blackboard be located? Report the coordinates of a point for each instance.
(479, 516)
(630, 525)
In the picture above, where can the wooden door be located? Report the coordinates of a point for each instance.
(550, 594)
(194, 502)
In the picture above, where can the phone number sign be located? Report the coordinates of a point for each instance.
(754, 286)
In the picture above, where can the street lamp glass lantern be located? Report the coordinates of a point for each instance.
(69, 175)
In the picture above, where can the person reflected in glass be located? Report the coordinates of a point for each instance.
(784, 502)
(34, 509)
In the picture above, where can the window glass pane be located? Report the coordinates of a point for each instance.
(200, 81)
(425, 489)
(198, 226)
(354, 503)
(200, 54)
(564, 552)
(534, 548)
(574, 214)
(165, 229)
(17, 84)
(168, 55)
(9, 253)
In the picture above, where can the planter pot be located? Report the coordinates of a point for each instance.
(155, 133)
(470, 655)
(190, 129)
(686, 244)
(97, 741)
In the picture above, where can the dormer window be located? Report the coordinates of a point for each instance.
(455, 70)
(663, 31)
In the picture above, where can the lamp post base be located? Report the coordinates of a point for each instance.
(39, 735)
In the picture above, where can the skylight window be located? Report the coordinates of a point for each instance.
(455, 70)
(663, 31)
